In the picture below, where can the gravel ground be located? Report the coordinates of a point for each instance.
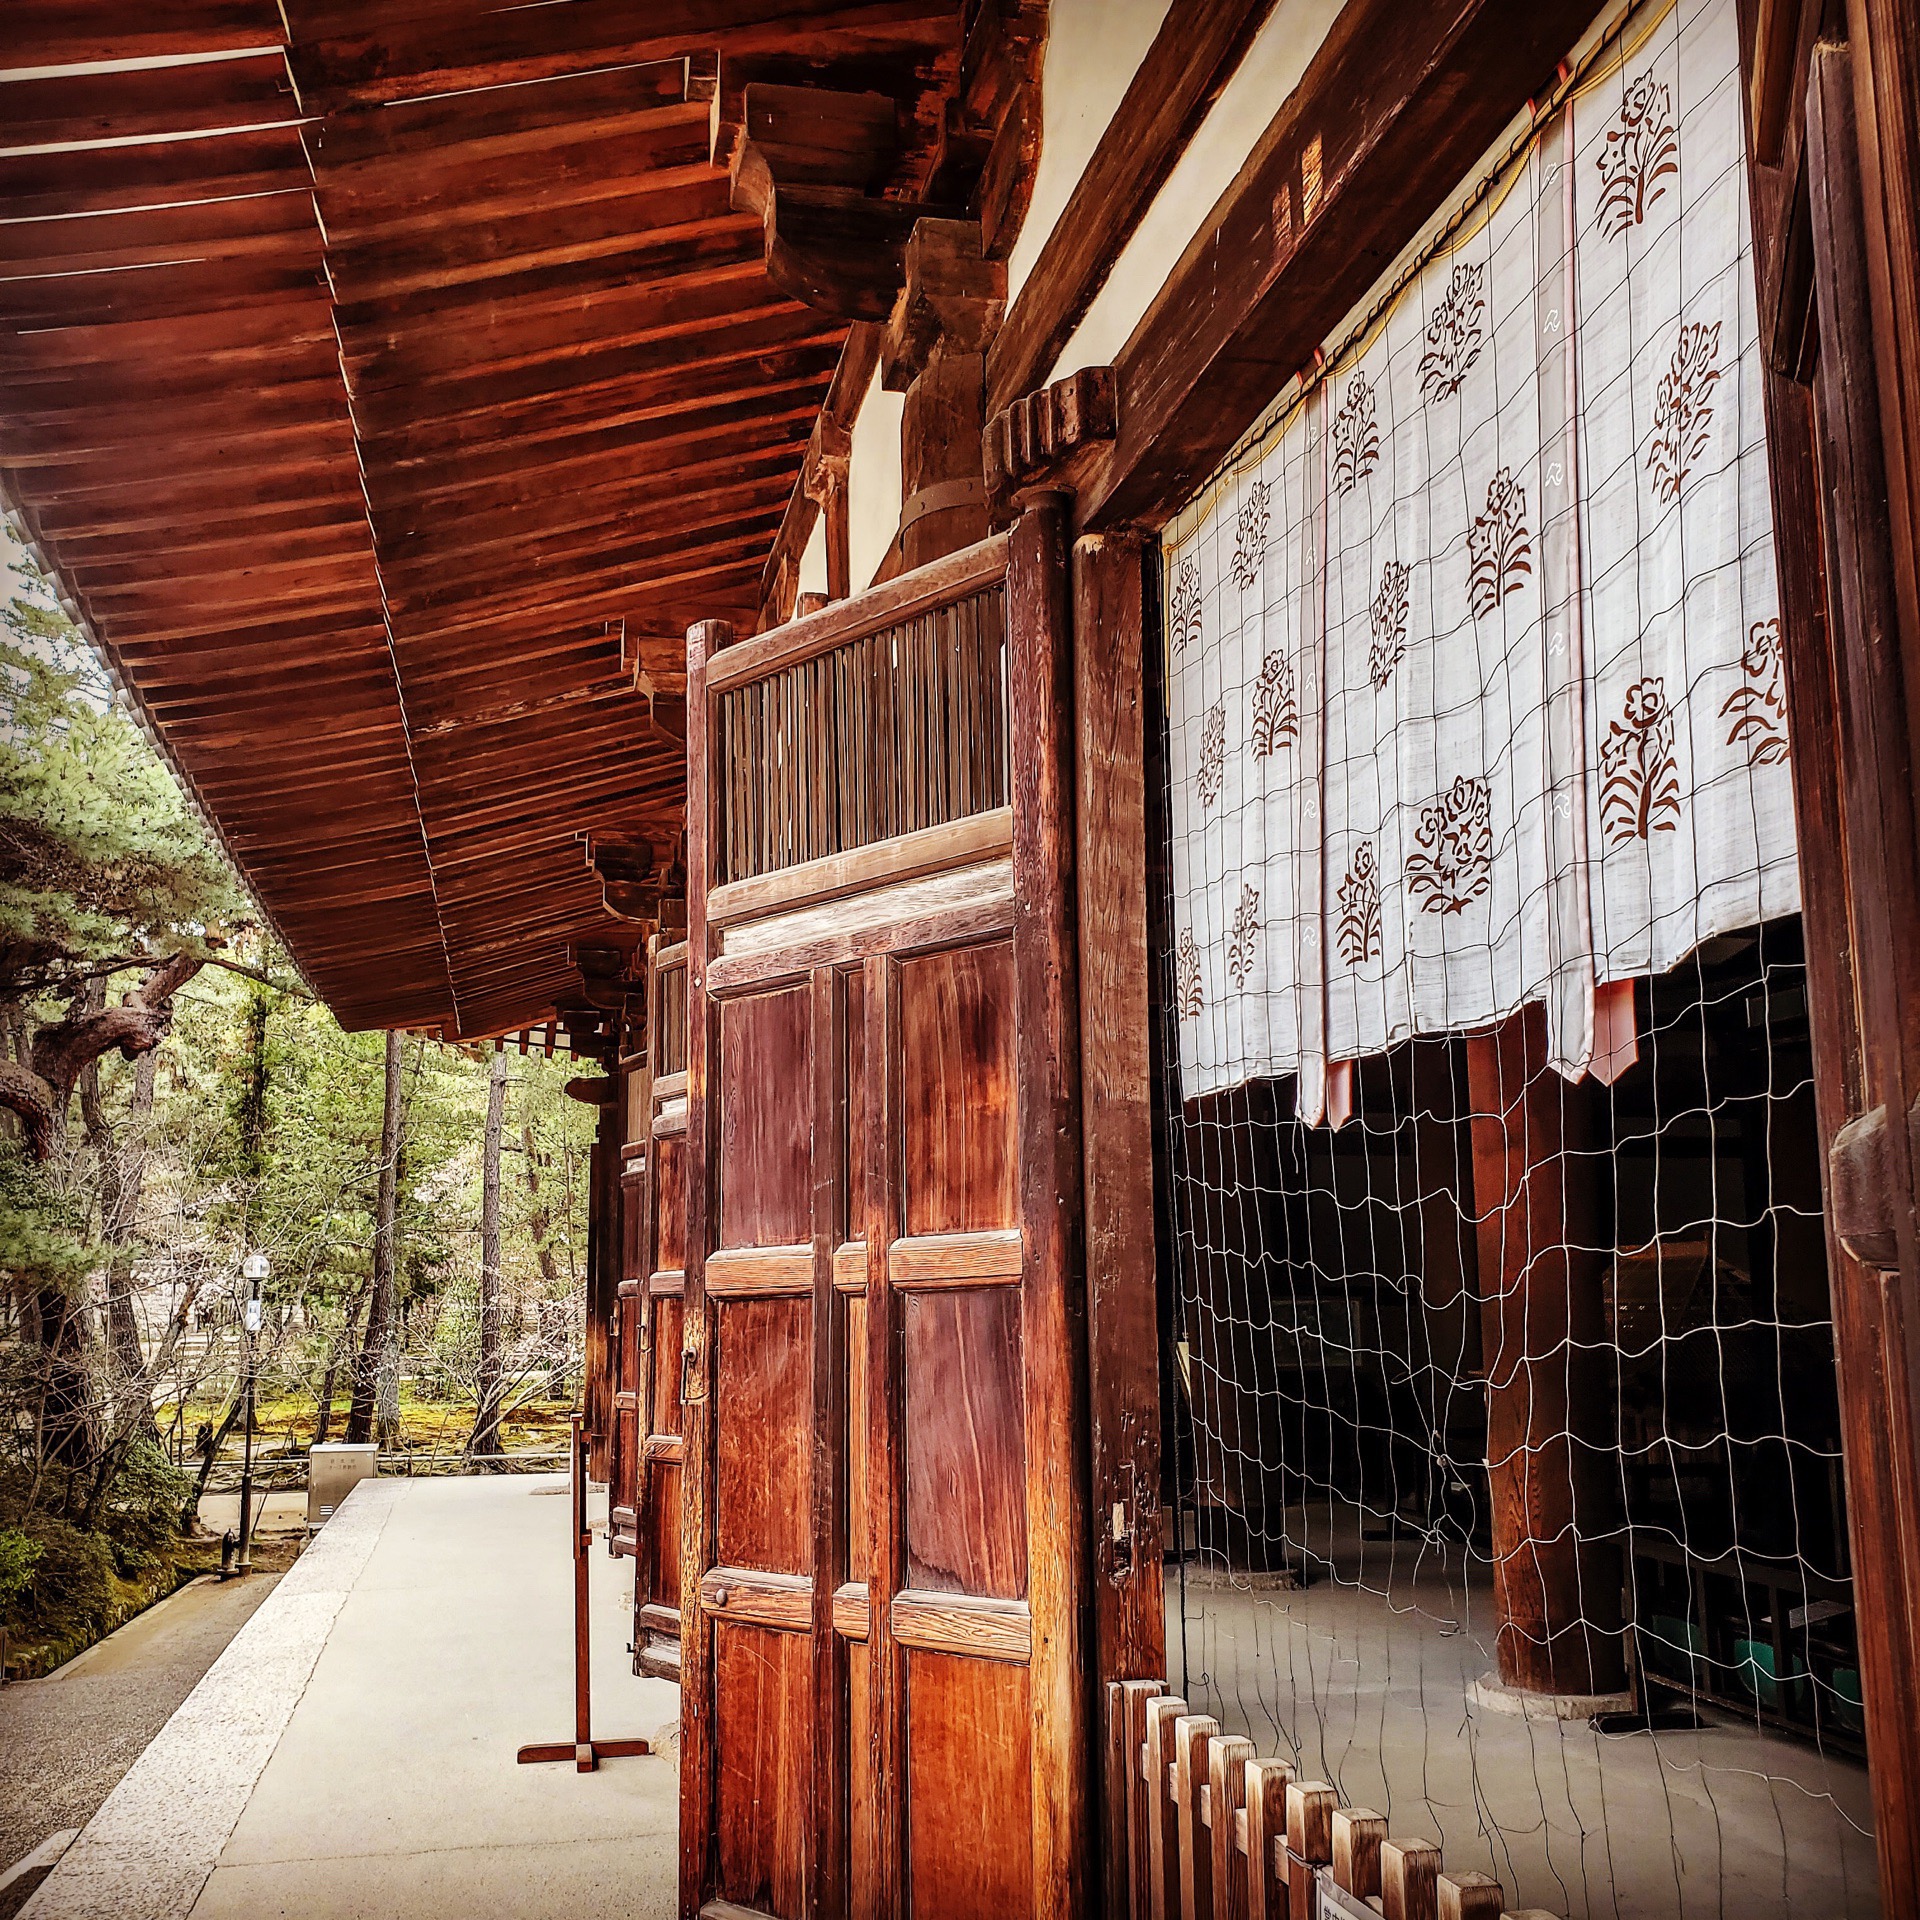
(66, 1740)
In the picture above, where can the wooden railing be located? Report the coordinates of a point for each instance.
(1208, 1830)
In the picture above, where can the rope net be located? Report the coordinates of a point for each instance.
(1507, 1435)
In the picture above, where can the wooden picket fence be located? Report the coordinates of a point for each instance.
(1207, 1830)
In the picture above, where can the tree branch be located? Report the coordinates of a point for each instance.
(24, 1093)
(62, 1052)
(292, 987)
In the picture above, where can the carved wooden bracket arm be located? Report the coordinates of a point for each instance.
(1049, 440)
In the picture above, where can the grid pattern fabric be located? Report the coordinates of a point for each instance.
(1472, 652)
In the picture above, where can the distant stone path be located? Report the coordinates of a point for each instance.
(66, 1740)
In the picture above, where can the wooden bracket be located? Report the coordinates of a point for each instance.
(629, 882)
(809, 162)
(952, 298)
(1048, 440)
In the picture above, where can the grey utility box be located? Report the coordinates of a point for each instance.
(334, 1469)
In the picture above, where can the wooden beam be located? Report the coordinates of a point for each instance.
(1400, 104)
(1199, 45)
(248, 90)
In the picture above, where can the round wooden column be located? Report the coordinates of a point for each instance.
(1542, 1318)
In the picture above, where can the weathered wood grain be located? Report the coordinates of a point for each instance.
(966, 1518)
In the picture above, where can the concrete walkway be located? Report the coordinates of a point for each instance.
(352, 1752)
(65, 1741)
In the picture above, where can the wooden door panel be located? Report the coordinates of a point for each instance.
(854, 1563)
(853, 1224)
(969, 1788)
(668, 1312)
(965, 1442)
(670, 1206)
(882, 1516)
(766, 1171)
(763, 1375)
(860, 1822)
(660, 1253)
(660, 1526)
(959, 1159)
(761, 1735)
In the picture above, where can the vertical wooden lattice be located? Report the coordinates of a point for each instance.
(891, 733)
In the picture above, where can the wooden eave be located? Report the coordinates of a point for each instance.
(388, 385)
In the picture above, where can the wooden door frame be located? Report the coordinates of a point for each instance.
(664, 956)
(1842, 339)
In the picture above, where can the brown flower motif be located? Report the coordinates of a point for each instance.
(1640, 150)
(1453, 862)
(1454, 335)
(1250, 535)
(1683, 408)
(1358, 927)
(1243, 934)
(1185, 617)
(1213, 754)
(1498, 544)
(1758, 708)
(1640, 790)
(1356, 436)
(1387, 646)
(1276, 715)
(1188, 990)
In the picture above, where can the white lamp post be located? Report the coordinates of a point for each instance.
(254, 1270)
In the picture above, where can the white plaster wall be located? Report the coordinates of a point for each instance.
(813, 558)
(873, 483)
(1094, 48)
(1271, 70)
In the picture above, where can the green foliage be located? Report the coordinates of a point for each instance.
(44, 1238)
(19, 1555)
(72, 1580)
(141, 1515)
(100, 855)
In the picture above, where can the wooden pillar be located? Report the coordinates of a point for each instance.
(704, 639)
(1839, 527)
(945, 498)
(1541, 1319)
(603, 1280)
(1053, 1307)
(935, 352)
(1129, 1606)
(1863, 442)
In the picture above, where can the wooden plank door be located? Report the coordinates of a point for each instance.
(884, 1708)
(656, 1590)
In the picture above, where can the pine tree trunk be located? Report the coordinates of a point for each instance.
(323, 1420)
(540, 1223)
(123, 1168)
(380, 1306)
(485, 1438)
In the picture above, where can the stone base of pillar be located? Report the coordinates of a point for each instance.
(1493, 1693)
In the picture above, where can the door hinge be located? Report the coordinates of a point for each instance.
(1861, 1189)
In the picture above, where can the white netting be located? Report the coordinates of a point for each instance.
(1498, 1289)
